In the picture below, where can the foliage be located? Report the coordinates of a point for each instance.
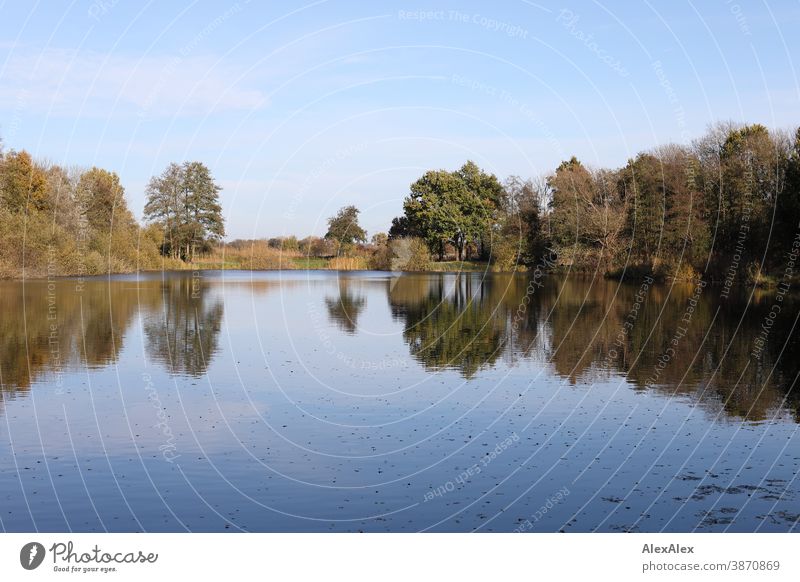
(343, 228)
(380, 258)
(451, 207)
(287, 243)
(401, 227)
(23, 183)
(184, 201)
(588, 211)
(725, 207)
(519, 238)
(57, 221)
(410, 254)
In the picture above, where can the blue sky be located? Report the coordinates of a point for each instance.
(300, 108)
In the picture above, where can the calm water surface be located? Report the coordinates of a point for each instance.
(324, 401)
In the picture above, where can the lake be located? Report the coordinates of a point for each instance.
(372, 401)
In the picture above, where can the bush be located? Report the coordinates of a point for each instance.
(410, 254)
(505, 255)
(381, 258)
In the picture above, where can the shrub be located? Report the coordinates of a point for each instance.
(410, 254)
(505, 255)
(381, 258)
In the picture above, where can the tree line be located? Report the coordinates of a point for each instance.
(725, 207)
(466, 324)
(57, 220)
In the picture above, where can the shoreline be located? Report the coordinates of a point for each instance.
(765, 284)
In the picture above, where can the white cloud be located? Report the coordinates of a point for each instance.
(71, 83)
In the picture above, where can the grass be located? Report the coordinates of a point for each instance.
(319, 263)
(348, 264)
(203, 264)
(456, 266)
(310, 263)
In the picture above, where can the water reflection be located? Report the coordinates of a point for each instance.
(183, 334)
(679, 340)
(450, 321)
(49, 328)
(345, 308)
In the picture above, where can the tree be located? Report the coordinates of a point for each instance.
(451, 207)
(490, 196)
(344, 228)
(642, 183)
(409, 254)
(519, 238)
(788, 203)
(202, 210)
(163, 206)
(379, 239)
(664, 222)
(23, 183)
(401, 228)
(103, 199)
(431, 211)
(588, 212)
(184, 200)
(742, 174)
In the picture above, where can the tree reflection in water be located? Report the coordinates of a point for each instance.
(678, 341)
(345, 309)
(468, 322)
